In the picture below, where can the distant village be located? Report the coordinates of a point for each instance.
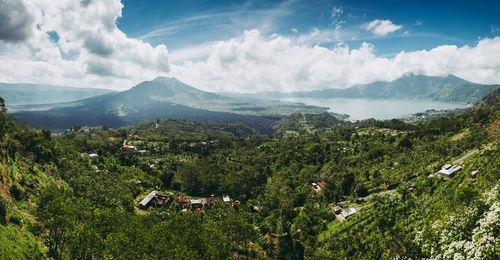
(156, 200)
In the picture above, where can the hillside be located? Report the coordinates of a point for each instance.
(160, 98)
(410, 86)
(76, 194)
(33, 94)
(300, 124)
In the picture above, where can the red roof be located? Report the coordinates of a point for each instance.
(322, 184)
(181, 199)
(477, 124)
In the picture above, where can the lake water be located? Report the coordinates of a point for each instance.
(360, 108)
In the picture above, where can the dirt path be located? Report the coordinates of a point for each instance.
(465, 156)
(382, 193)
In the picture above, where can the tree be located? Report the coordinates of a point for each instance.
(56, 211)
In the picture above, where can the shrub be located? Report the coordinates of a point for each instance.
(4, 206)
(17, 192)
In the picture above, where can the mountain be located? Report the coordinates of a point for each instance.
(33, 94)
(159, 98)
(410, 86)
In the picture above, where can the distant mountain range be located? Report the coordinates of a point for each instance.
(170, 98)
(35, 94)
(159, 98)
(410, 86)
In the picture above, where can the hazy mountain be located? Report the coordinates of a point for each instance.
(32, 94)
(160, 98)
(410, 86)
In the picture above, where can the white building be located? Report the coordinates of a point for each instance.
(348, 212)
(449, 171)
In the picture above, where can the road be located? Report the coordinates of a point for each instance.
(369, 196)
(465, 156)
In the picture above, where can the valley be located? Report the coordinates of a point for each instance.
(58, 186)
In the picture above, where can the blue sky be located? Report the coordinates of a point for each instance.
(247, 45)
(425, 24)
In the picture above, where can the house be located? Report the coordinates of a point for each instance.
(446, 166)
(450, 171)
(162, 200)
(473, 173)
(347, 213)
(337, 210)
(196, 203)
(318, 186)
(182, 201)
(147, 200)
(93, 155)
(131, 147)
(142, 151)
(315, 187)
(322, 184)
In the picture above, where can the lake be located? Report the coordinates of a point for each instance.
(361, 108)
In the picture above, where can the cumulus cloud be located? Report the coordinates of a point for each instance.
(16, 24)
(382, 27)
(90, 51)
(255, 63)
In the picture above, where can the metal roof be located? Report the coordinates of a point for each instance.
(144, 202)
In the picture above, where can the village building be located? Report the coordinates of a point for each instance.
(196, 203)
(146, 202)
(337, 210)
(155, 199)
(93, 155)
(182, 201)
(131, 147)
(448, 171)
(318, 186)
(347, 213)
(162, 200)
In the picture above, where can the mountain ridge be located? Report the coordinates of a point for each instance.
(160, 98)
(410, 86)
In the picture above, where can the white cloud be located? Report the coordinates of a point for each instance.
(100, 54)
(382, 27)
(254, 63)
(336, 16)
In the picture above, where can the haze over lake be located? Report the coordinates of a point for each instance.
(361, 108)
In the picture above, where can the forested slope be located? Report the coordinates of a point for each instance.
(75, 195)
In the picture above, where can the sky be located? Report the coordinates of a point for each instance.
(246, 46)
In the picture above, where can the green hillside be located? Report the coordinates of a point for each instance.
(76, 194)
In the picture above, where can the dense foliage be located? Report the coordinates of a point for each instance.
(56, 201)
